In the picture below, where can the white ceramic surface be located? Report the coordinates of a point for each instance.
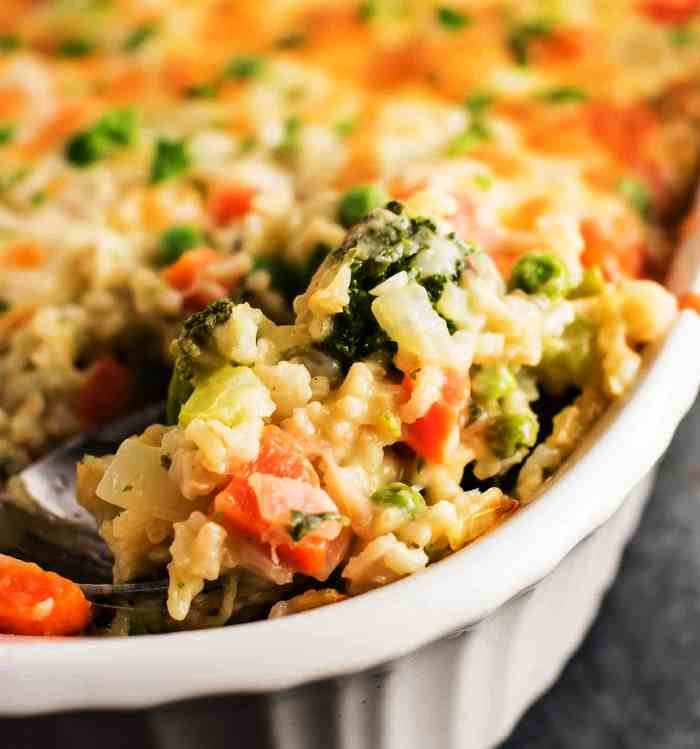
(400, 638)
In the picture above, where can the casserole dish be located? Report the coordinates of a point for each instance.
(420, 662)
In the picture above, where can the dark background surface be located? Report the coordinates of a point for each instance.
(635, 681)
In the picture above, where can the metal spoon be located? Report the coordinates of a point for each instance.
(57, 532)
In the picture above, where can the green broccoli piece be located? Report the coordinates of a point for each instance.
(563, 95)
(192, 349)
(387, 242)
(9, 43)
(75, 47)
(243, 66)
(451, 19)
(112, 131)
(7, 133)
(139, 36)
(522, 35)
(169, 159)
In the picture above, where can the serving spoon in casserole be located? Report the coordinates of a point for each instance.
(53, 530)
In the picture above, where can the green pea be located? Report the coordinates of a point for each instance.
(451, 18)
(359, 201)
(7, 132)
(637, 195)
(493, 383)
(174, 241)
(87, 147)
(139, 36)
(400, 495)
(170, 158)
(540, 273)
(510, 432)
(243, 66)
(75, 47)
(569, 359)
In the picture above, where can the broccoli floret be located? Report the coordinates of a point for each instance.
(197, 333)
(189, 348)
(388, 242)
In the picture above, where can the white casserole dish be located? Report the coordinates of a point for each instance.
(448, 658)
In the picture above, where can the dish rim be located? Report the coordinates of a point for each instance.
(269, 656)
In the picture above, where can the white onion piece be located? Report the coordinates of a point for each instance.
(137, 480)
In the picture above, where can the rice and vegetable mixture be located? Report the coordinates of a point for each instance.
(491, 184)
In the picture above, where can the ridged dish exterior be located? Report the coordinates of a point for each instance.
(464, 691)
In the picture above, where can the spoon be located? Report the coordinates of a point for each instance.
(56, 532)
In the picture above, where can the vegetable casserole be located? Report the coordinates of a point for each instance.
(395, 259)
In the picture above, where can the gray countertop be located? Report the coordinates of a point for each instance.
(635, 681)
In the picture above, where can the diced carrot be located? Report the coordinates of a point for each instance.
(401, 189)
(68, 119)
(525, 216)
(195, 276)
(35, 602)
(280, 455)
(624, 129)
(672, 12)
(616, 257)
(360, 167)
(432, 435)
(24, 255)
(15, 318)
(564, 45)
(502, 163)
(229, 202)
(239, 508)
(106, 393)
(12, 99)
(126, 86)
(181, 71)
(314, 556)
(689, 300)
(505, 259)
(184, 273)
(401, 64)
